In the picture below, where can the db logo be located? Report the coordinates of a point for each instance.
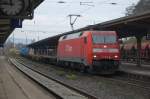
(68, 48)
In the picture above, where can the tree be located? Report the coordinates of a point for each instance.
(130, 9)
(142, 6)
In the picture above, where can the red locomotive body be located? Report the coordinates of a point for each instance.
(98, 50)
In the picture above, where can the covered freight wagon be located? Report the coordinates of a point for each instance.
(24, 51)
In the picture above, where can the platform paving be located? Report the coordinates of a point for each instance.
(15, 85)
(59, 89)
(134, 69)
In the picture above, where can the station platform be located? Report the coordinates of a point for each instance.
(132, 68)
(15, 85)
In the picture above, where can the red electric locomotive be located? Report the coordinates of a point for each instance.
(95, 50)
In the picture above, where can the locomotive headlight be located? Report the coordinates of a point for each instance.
(94, 56)
(116, 56)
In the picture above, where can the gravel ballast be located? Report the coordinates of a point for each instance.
(92, 84)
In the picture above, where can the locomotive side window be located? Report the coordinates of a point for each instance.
(73, 36)
(65, 37)
(81, 34)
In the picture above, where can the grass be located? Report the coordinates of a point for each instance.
(71, 76)
(61, 73)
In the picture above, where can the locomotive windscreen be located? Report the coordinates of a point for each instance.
(104, 39)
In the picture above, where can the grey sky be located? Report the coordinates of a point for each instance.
(51, 17)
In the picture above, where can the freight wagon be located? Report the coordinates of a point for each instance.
(24, 51)
(129, 51)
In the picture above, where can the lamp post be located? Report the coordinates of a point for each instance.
(25, 37)
(13, 40)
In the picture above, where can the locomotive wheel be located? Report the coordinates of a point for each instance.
(90, 70)
(72, 65)
(66, 64)
(83, 69)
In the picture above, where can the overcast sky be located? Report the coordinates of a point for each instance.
(51, 17)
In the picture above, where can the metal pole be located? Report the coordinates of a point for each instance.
(72, 22)
(38, 36)
(13, 40)
(139, 41)
(26, 38)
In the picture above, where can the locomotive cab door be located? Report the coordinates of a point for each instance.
(83, 50)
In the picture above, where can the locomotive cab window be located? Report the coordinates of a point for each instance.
(110, 39)
(104, 39)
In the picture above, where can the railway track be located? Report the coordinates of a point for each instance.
(119, 78)
(132, 82)
(59, 89)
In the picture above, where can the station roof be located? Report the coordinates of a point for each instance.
(5, 24)
(5, 30)
(136, 25)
